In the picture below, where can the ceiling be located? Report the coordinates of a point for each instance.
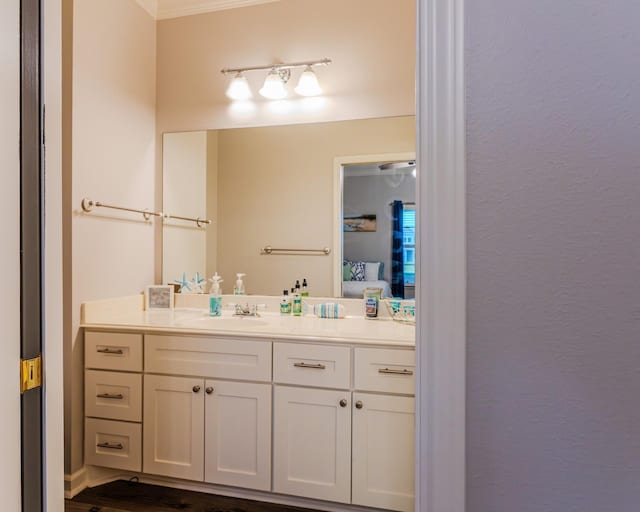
(165, 9)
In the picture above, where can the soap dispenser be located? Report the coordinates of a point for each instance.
(215, 296)
(238, 289)
(285, 303)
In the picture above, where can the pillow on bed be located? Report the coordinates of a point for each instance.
(358, 270)
(371, 270)
(346, 271)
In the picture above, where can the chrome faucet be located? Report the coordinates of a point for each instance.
(246, 310)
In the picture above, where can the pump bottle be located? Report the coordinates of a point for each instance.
(238, 289)
(285, 303)
(215, 296)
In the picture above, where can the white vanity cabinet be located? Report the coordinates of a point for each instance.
(383, 451)
(383, 429)
(312, 427)
(312, 443)
(331, 421)
(113, 400)
(238, 434)
(349, 445)
(173, 440)
(198, 427)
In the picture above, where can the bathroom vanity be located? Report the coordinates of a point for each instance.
(277, 406)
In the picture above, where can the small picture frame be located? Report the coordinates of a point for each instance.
(159, 297)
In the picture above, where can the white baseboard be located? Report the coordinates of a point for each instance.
(100, 476)
(75, 483)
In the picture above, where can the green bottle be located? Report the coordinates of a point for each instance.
(297, 305)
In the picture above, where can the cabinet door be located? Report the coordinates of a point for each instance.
(173, 439)
(238, 434)
(383, 451)
(312, 443)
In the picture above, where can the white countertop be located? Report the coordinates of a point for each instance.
(128, 315)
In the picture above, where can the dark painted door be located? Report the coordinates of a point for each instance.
(31, 264)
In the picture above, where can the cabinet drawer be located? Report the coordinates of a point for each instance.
(312, 365)
(208, 357)
(113, 395)
(386, 370)
(113, 351)
(113, 444)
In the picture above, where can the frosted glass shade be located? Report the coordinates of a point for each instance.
(239, 88)
(274, 88)
(308, 83)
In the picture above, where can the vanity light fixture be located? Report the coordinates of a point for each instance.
(275, 84)
(239, 88)
(308, 83)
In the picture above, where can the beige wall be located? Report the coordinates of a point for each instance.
(276, 188)
(371, 42)
(113, 131)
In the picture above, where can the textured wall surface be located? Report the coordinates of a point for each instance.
(553, 373)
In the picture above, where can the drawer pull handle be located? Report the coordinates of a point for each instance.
(209, 390)
(119, 396)
(107, 350)
(117, 446)
(196, 389)
(318, 366)
(343, 402)
(359, 404)
(395, 372)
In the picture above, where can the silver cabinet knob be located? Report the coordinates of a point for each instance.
(359, 404)
(343, 402)
(196, 389)
(208, 390)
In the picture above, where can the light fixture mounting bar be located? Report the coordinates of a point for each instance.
(290, 65)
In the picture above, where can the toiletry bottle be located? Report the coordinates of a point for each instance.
(297, 286)
(297, 305)
(238, 289)
(285, 303)
(305, 289)
(215, 296)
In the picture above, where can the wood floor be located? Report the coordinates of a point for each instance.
(125, 496)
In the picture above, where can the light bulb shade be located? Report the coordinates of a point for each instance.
(274, 87)
(308, 83)
(239, 88)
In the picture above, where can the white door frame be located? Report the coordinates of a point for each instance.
(441, 271)
(53, 429)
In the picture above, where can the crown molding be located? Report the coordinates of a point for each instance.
(151, 6)
(166, 9)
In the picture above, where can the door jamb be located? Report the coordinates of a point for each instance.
(441, 272)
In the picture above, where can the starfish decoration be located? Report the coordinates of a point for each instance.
(185, 286)
(197, 283)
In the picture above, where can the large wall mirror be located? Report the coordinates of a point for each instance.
(304, 186)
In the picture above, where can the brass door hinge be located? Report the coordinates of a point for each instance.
(30, 373)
